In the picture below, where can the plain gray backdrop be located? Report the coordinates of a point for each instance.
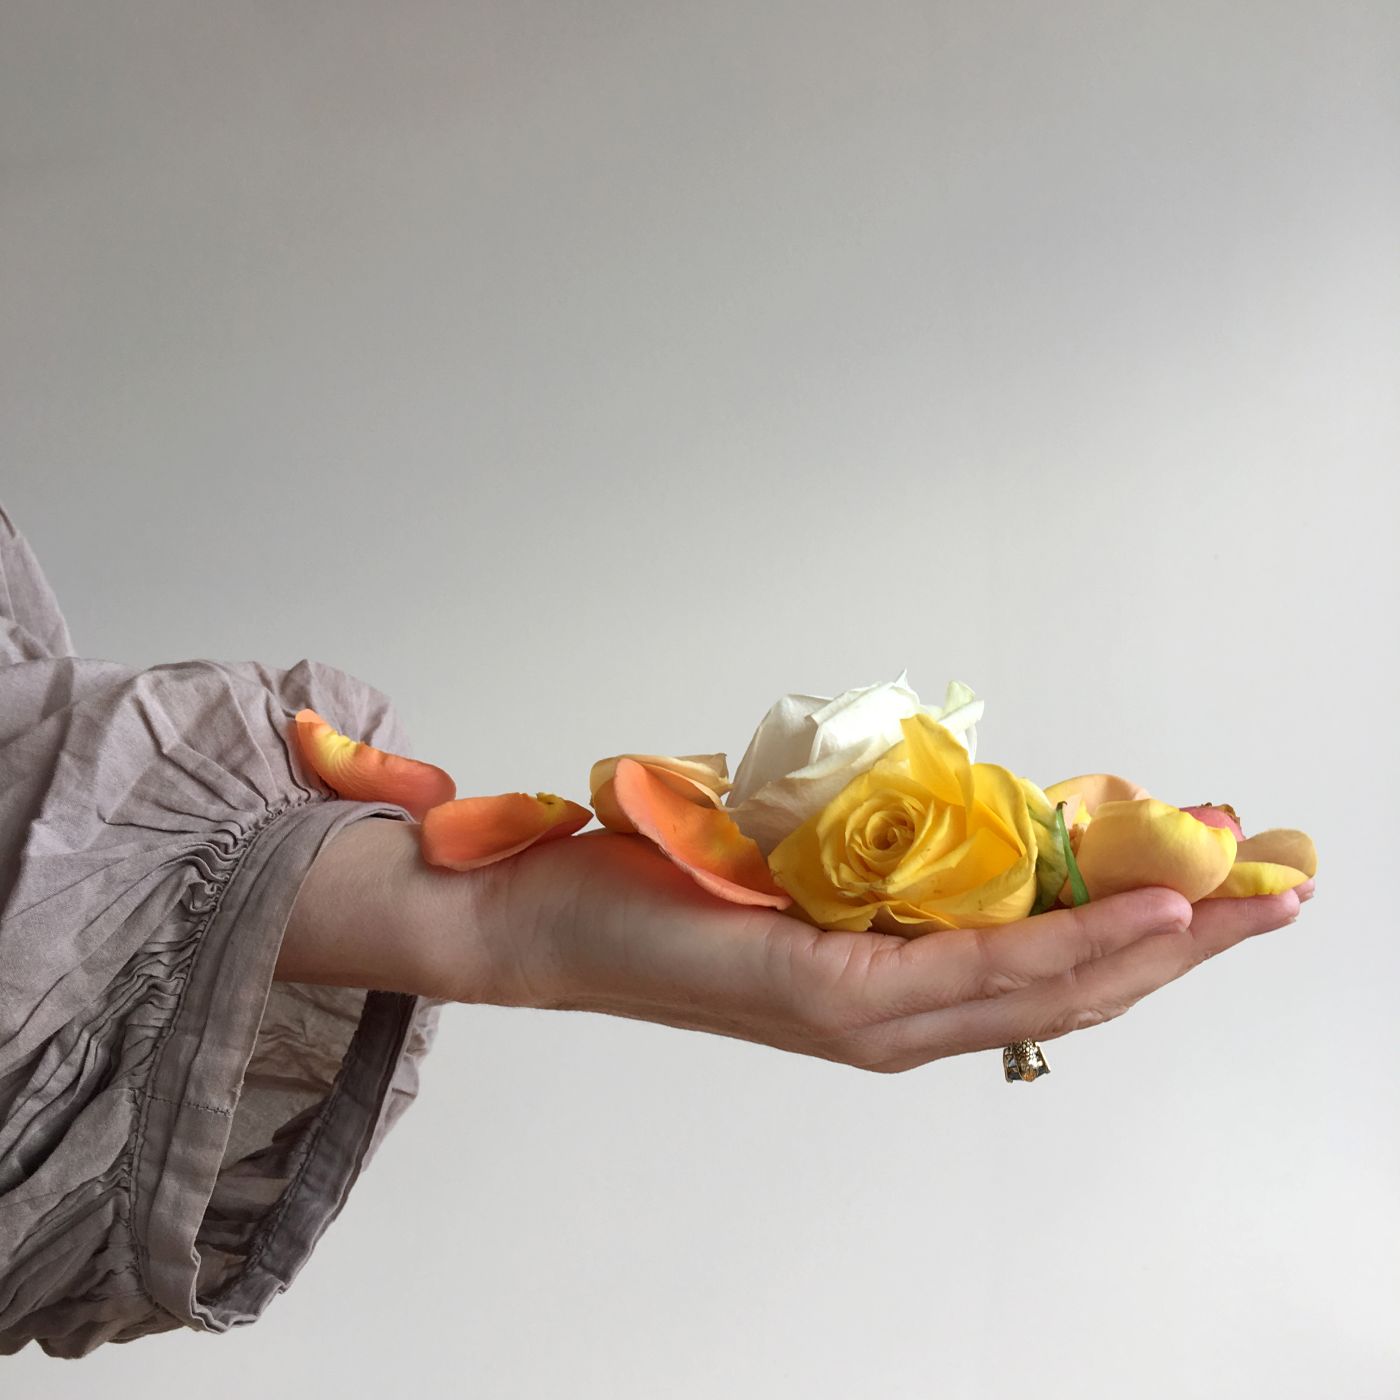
(587, 376)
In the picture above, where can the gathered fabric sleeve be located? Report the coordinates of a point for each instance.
(177, 1128)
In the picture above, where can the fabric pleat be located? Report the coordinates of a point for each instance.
(177, 1129)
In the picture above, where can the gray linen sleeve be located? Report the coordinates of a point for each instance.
(177, 1129)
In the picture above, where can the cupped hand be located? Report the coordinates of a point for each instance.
(603, 922)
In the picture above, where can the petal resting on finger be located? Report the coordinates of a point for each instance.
(366, 774)
(476, 831)
(1248, 878)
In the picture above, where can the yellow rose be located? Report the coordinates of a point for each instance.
(923, 840)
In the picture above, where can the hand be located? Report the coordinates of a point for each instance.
(604, 922)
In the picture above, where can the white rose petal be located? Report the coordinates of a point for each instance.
(807, 748)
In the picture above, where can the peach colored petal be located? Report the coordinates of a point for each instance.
(699, 778)
(366, 774)
(1129, 845)
(1281, 845)
(1084, 795)
(476, 831)
(704, 841)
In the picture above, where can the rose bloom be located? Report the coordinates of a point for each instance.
(807, 749)
(924, 839)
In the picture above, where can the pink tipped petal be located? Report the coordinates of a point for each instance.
(1219, 814)
(704, 841)
(476, 831)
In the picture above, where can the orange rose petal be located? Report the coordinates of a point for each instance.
(610, 813)
(704, 841)
(366, 774)
(476, 831)
(699, 778)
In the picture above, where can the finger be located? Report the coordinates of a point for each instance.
(955, 966)
(1089, 993)
(1218, 924)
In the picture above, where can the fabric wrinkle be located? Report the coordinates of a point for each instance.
(177, 1128)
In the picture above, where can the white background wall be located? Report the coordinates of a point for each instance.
(586, 376)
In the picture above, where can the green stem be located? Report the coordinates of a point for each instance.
(1077, 887)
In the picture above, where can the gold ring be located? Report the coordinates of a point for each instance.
(1024, 1060)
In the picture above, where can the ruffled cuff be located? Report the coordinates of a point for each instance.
(189, 1100)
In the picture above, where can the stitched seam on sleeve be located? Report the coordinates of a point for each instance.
(190, 1103)
(269, 1229)
(206, 916)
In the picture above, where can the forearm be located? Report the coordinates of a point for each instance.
(372, 913)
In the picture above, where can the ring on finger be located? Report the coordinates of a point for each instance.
(1025, 1061)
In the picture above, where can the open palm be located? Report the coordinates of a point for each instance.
(604, 922)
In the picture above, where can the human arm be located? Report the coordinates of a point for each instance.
(602, 922)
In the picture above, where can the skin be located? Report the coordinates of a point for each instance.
(603, 922)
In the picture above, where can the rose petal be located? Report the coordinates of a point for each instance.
(1084, 795)
(1218, 814)
(797, 861)
(807, 749)
(703, 841)
(1129, 845)
(1251, 877)
(1281, 845)
(698, 777)
(366, 774)
(971, 863)
(993, 881)
(476, 831)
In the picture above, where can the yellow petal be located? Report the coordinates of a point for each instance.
(1129, 845)
(1251, 877)
(1281, 846)
(992, 881)
(1001, 900)
(797, 865)
(1000, 804)
(971, 862)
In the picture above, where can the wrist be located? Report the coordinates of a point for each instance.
(372, 913)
